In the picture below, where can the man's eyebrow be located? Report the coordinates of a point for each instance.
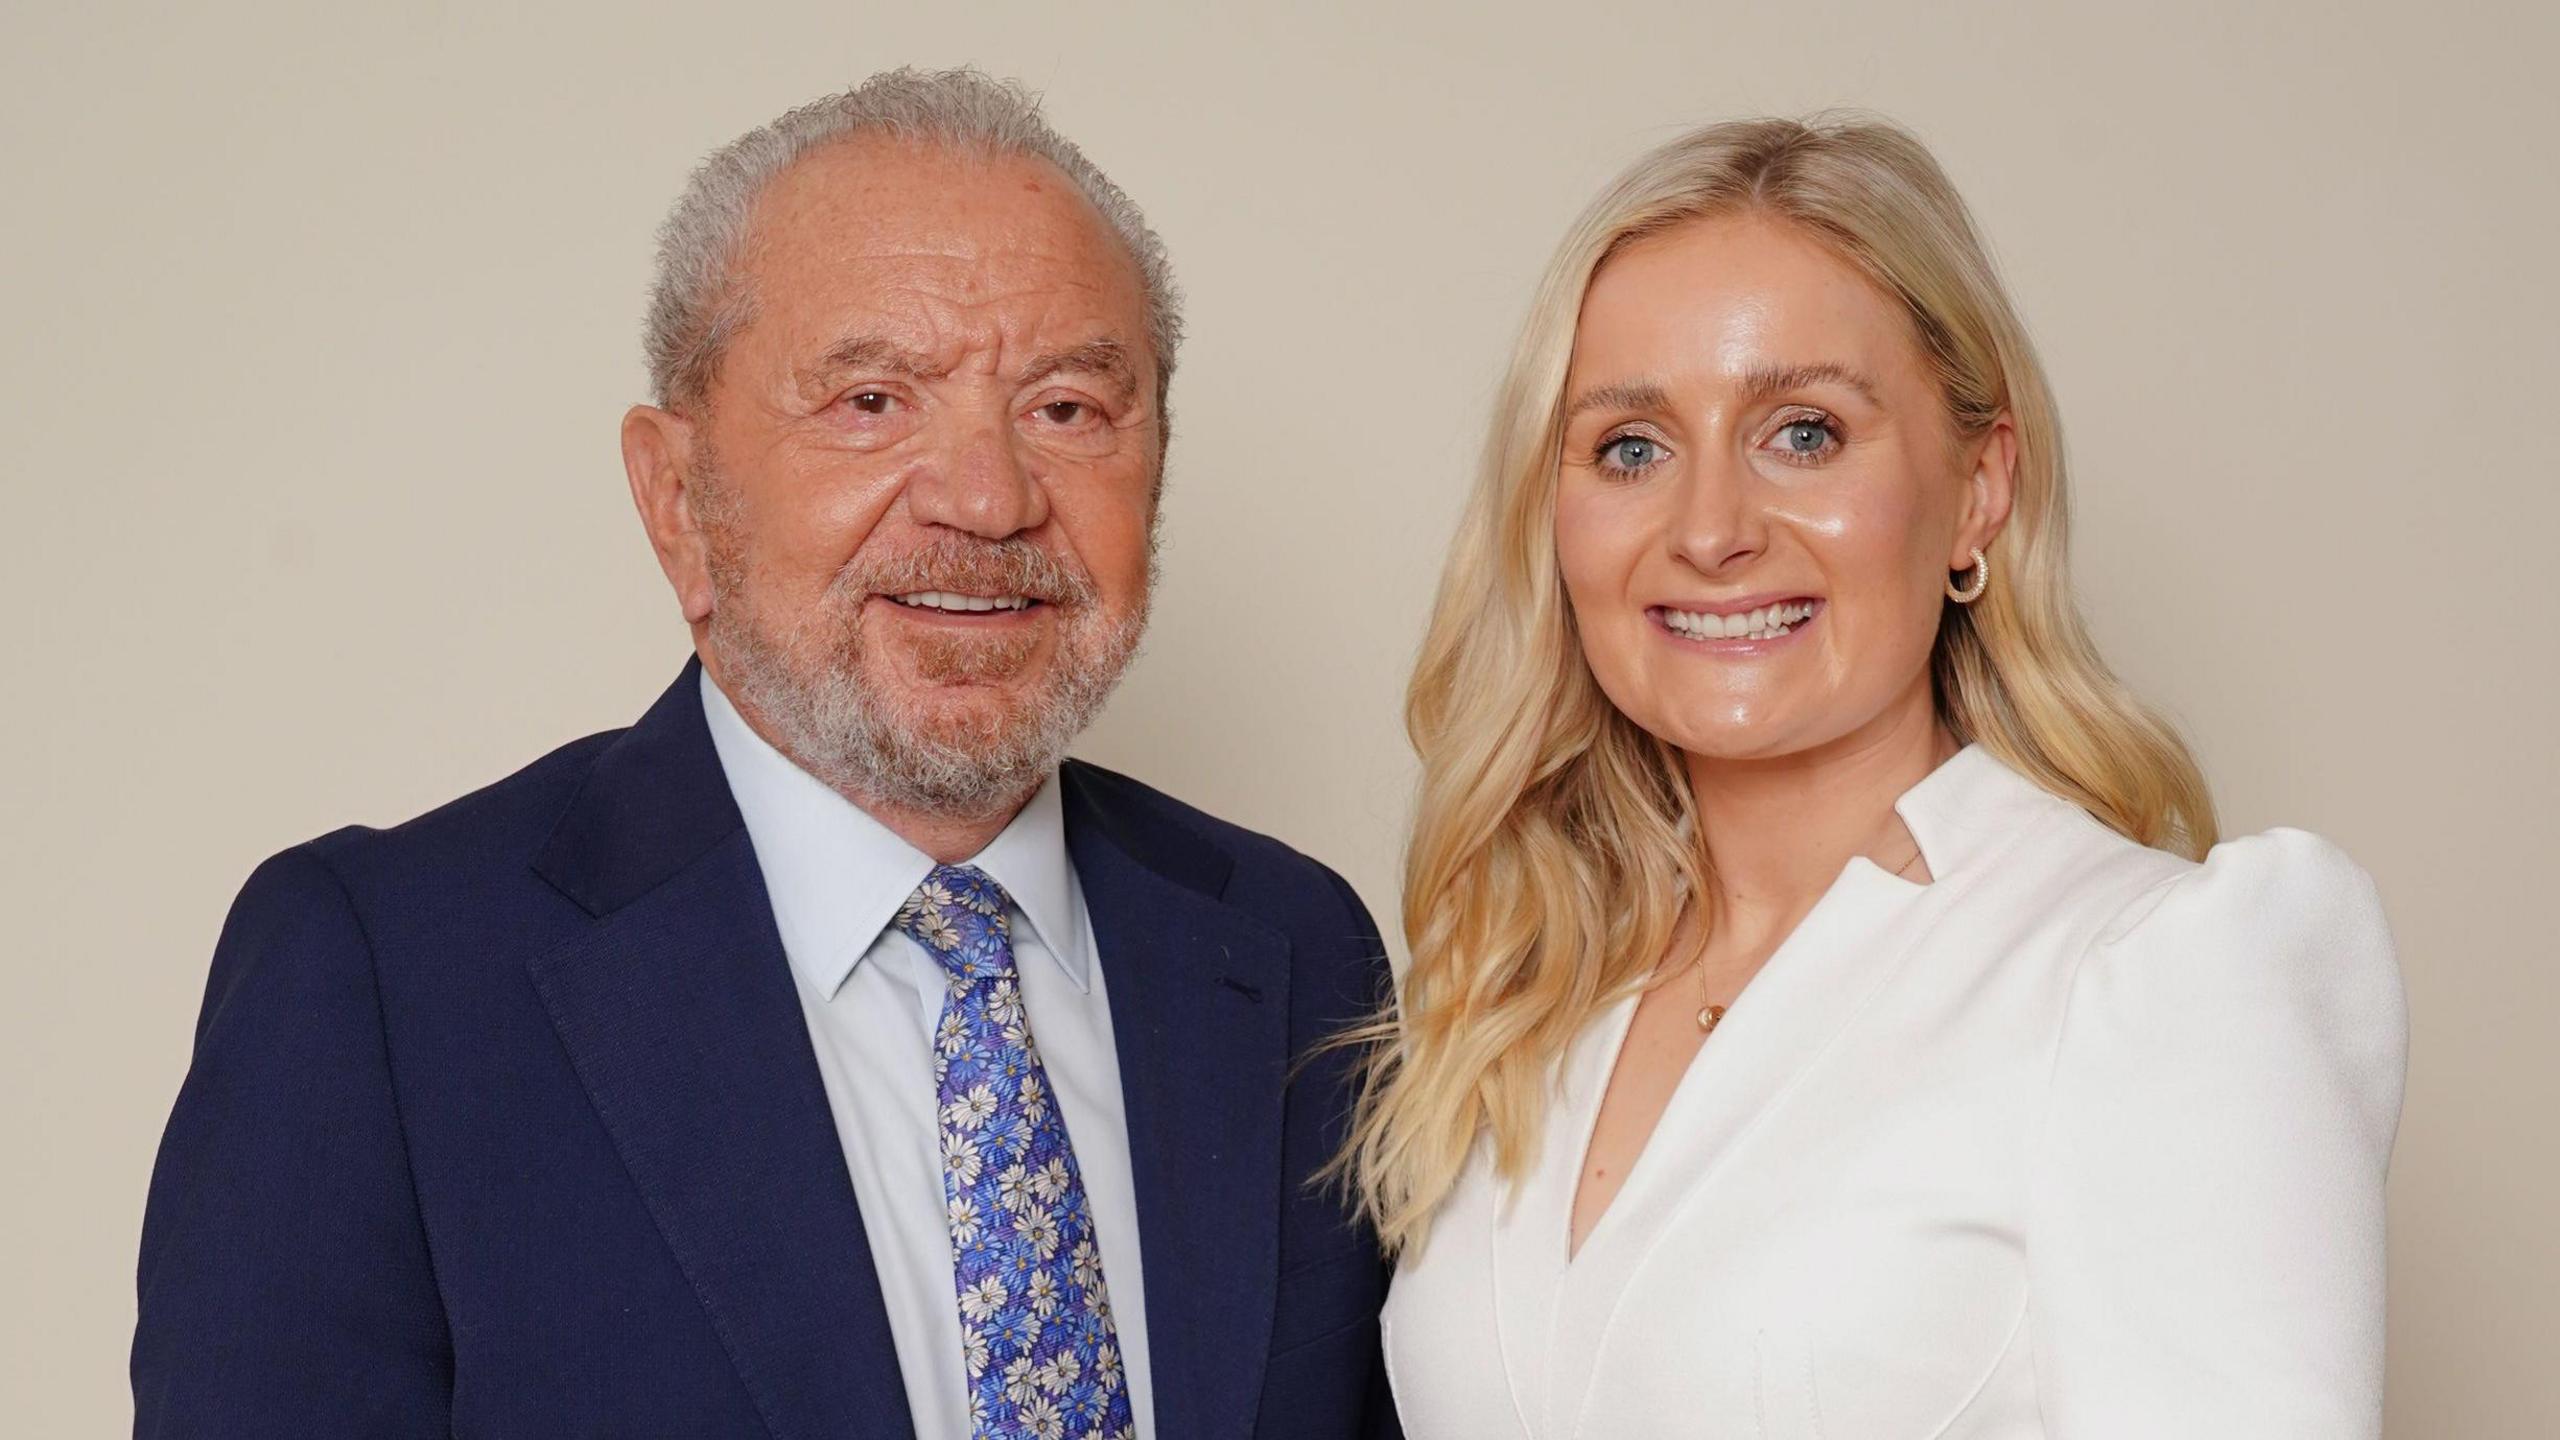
(875, 352)
(1106, 358)
(1620, 395)
(1764, 382)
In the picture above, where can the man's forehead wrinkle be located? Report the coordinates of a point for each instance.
(1017, 355)
(957, 274)
(863, 188)
(865, 218)
(992, 281)
(946, 310)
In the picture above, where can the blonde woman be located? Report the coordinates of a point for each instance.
(1830, 1013)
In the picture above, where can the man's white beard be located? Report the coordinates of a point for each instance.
(806, 684)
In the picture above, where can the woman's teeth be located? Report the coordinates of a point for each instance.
(944, 600)
(1766, 623)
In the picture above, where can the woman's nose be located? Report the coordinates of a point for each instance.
(1717, 520)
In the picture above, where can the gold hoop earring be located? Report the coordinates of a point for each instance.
(1981, 581)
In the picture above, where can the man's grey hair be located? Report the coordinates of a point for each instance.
(700, 302)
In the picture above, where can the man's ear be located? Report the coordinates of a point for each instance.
(1991, 490)
(657, 457)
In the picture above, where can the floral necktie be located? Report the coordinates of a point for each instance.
(1035, 1319)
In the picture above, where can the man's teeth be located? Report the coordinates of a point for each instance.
(1766, 623)
(945, 600)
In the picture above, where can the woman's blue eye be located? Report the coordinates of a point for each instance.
(1630, 452)
(1805, 437)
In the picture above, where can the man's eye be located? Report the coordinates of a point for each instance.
(871, 402)
(1065, 412)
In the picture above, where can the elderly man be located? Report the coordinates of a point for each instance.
(821, 1056)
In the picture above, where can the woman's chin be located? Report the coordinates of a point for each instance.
(1739, 742)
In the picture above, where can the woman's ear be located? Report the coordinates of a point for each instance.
(1990, 491)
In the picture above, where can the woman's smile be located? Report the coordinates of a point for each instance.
(1747, 627)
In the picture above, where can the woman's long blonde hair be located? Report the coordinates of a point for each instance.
(1550, 859)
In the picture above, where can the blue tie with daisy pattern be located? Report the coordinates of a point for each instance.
(1035, 1319)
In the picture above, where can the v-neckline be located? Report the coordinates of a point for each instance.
(1857, 871)
(1560, 1301)
(1621, 1021)
(1556, 1306)
(1859, 874)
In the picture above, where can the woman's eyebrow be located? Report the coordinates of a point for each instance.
(1759, 383)
(1766, 382)
(1620, 395)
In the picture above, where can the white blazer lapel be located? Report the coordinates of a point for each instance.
(1782, 1026)
(1532, 1223)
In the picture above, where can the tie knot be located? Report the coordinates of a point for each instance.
(958, 916)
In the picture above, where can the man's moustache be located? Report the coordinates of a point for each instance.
(1043, 579)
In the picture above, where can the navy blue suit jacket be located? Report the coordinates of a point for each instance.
(506, 1122)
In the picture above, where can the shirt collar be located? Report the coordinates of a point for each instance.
(836, 876)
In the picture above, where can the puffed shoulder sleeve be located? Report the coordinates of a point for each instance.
(2206, 1224)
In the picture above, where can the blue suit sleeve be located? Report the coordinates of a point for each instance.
(1374, 981)
(285, 1286)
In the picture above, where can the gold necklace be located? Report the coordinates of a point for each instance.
(1712, 1015)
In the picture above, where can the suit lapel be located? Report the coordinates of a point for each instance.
(1199, 1014)
(678, 1011)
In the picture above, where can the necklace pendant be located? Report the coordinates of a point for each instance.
(1709, 1017)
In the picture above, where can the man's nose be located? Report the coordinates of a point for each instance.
(1718, 519)
(980, 481)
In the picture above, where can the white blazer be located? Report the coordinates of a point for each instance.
(2080, 1140)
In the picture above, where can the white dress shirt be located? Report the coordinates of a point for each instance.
(2079, 1140)
(872, 997)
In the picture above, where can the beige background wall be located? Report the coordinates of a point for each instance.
(318, 321)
